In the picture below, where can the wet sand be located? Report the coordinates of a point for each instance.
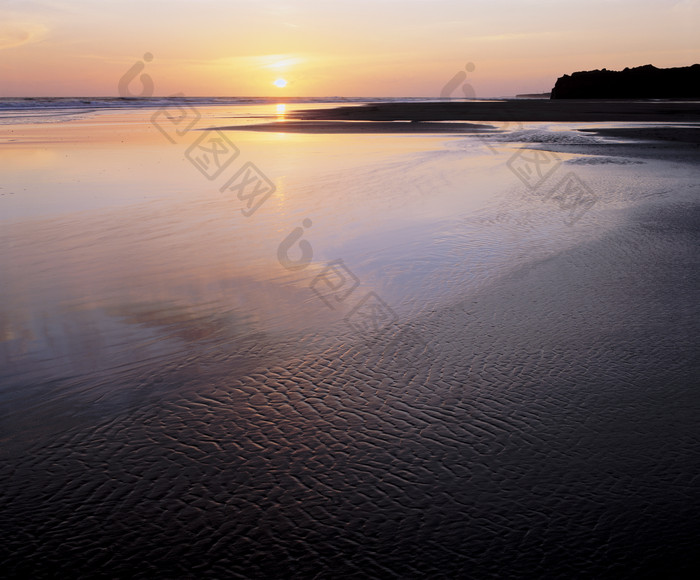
(534, 110)
(540, 425)
(687, 134)
(361, 127)
(449, 117)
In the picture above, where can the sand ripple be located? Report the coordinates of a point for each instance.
(548, 429)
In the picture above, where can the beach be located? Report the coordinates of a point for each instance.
(445, 340)
(520, 110)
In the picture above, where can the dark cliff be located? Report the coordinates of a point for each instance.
(643, 82)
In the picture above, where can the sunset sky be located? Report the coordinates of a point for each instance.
(332, 47)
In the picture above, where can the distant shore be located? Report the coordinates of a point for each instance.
(460, 117)
(513, 110)
(348, 126)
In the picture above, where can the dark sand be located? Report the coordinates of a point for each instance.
(450, 118)
(674, 134)
(514, 110)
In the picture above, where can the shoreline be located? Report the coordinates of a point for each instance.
(361, 126)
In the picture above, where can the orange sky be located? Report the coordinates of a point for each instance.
(332, 47)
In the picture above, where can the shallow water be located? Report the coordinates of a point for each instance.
(172, 368)
(119, 253)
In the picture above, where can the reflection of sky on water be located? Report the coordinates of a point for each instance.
(118, 255)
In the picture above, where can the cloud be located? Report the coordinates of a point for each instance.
(15, 34)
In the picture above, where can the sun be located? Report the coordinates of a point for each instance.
(280, 83)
